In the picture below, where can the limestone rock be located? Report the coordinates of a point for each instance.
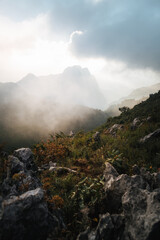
(25, 155)
(112, 130)
(132, 207)
(16, 165)
(136, 122)
(25, 217)
(110, 174)
(96, 136)
(150, 136)
(23, 210)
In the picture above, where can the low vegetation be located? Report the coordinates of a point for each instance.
(79, 193)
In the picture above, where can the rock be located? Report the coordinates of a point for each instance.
(105, 227)
(62, 170)
(110, 174)
(136, 122)
(9, 189)
(150, 136)
(148, 118)
(96, 136)
(84, 235)
(25, 217)
(142, 213)
(118, 187)
(132, 207)
(52, 164)
(16, 165)
(19, 183)
(23, 210)
(71, 134)
(110, 227)
(25, 155)
(112, 130)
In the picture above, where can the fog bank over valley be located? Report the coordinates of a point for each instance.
(35, 107)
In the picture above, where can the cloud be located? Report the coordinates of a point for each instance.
(127, 31)
(22, 46)
(32, 46)
(22, 35)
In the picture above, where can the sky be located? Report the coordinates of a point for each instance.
(118, 41)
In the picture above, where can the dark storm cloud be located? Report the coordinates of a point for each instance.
(132, 36)
(125, 30)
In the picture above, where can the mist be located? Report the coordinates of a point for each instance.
(35, 107)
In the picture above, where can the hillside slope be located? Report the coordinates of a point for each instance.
(71, 170)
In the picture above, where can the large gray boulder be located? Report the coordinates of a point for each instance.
(23, 211)
(142, 213)
(150, 136)
(133, 207)
(25, 217)
(25, 155)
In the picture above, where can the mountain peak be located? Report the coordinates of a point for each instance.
(76, 70)
(29, 77)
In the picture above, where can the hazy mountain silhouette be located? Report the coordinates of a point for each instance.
(74, 86)
(35, 107)
(135, 97)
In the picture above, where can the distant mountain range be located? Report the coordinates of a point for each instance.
(143, 92)
(35, 107)
(135, 97)
(74, 86)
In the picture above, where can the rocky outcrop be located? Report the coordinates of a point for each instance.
(23, 210)
(133, 207)
(96, 136)
(150, 136)
(113, 130)
(136, 122)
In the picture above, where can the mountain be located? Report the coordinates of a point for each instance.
(134, 98)
(10, 92)
(74, 86)
(144, 92)
(35, 107)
